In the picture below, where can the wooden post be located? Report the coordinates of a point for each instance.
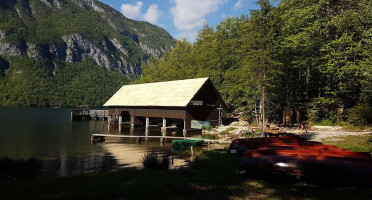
(146, 132)
(163, 131)
(132, 121)
(120, 120)
(147, 122)
(184, 128)
(164, 123)
(219, 115)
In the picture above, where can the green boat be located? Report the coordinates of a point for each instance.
(186, 143)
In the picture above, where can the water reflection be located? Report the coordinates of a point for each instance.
(65, 148)
(72, 165)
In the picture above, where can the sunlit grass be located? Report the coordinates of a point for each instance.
(351, 142)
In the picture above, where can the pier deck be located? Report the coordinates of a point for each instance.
(162, 138)
(88, 114)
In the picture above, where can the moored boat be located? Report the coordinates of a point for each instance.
(187, 143)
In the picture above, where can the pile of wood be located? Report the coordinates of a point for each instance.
(293, 155)
(273, 130)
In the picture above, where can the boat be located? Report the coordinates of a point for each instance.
(296, 156)
(187, 143)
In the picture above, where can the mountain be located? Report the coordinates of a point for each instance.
(47, 46)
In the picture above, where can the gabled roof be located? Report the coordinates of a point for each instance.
(171, 93)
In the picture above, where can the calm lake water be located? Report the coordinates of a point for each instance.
(65, 148)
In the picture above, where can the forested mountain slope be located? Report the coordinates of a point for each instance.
(70, 52)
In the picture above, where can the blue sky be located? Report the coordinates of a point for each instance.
(182, 18)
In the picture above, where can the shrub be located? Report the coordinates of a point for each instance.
(207, 127)
(152, 160)
(360, 115)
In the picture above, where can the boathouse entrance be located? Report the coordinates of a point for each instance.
(193, 102)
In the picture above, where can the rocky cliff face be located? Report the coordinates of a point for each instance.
(66, 30)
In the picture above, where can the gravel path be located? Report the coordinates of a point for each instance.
(318, 135)
(319, 132)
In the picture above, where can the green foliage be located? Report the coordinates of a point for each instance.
(207, 127)
(31, 83)
(314, 54)
(360, 115)
(258, 131)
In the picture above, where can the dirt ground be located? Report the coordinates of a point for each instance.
(316, 133)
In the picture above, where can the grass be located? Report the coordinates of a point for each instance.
(210, 136)
(351, 142)
(213, 175)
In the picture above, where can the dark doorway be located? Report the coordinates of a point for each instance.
(125, 116)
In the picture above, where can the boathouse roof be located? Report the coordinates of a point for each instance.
(170, 93)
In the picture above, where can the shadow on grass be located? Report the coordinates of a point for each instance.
(213, 175)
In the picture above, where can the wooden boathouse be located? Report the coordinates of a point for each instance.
(189, 103)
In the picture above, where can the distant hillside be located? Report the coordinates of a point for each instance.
(49, 48)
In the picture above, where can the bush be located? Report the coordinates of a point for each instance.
(207, 128)
(326, 122)
(360, 115)
(152, 160)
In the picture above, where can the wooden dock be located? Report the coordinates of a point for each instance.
(101, 137)
(89, 114)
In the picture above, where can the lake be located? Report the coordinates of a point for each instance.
(65, 147)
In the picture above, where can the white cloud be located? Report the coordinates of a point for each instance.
(132, 11)
(238, 4)
(188, 15)
(189, 35)
(224, 16)
(152, 14)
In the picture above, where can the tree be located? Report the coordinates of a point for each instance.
(257, 52)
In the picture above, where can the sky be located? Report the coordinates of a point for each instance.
(182, 18)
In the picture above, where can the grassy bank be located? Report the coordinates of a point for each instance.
(351, 142)
(214, 175)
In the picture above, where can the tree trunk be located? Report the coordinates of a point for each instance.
(262, 106)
